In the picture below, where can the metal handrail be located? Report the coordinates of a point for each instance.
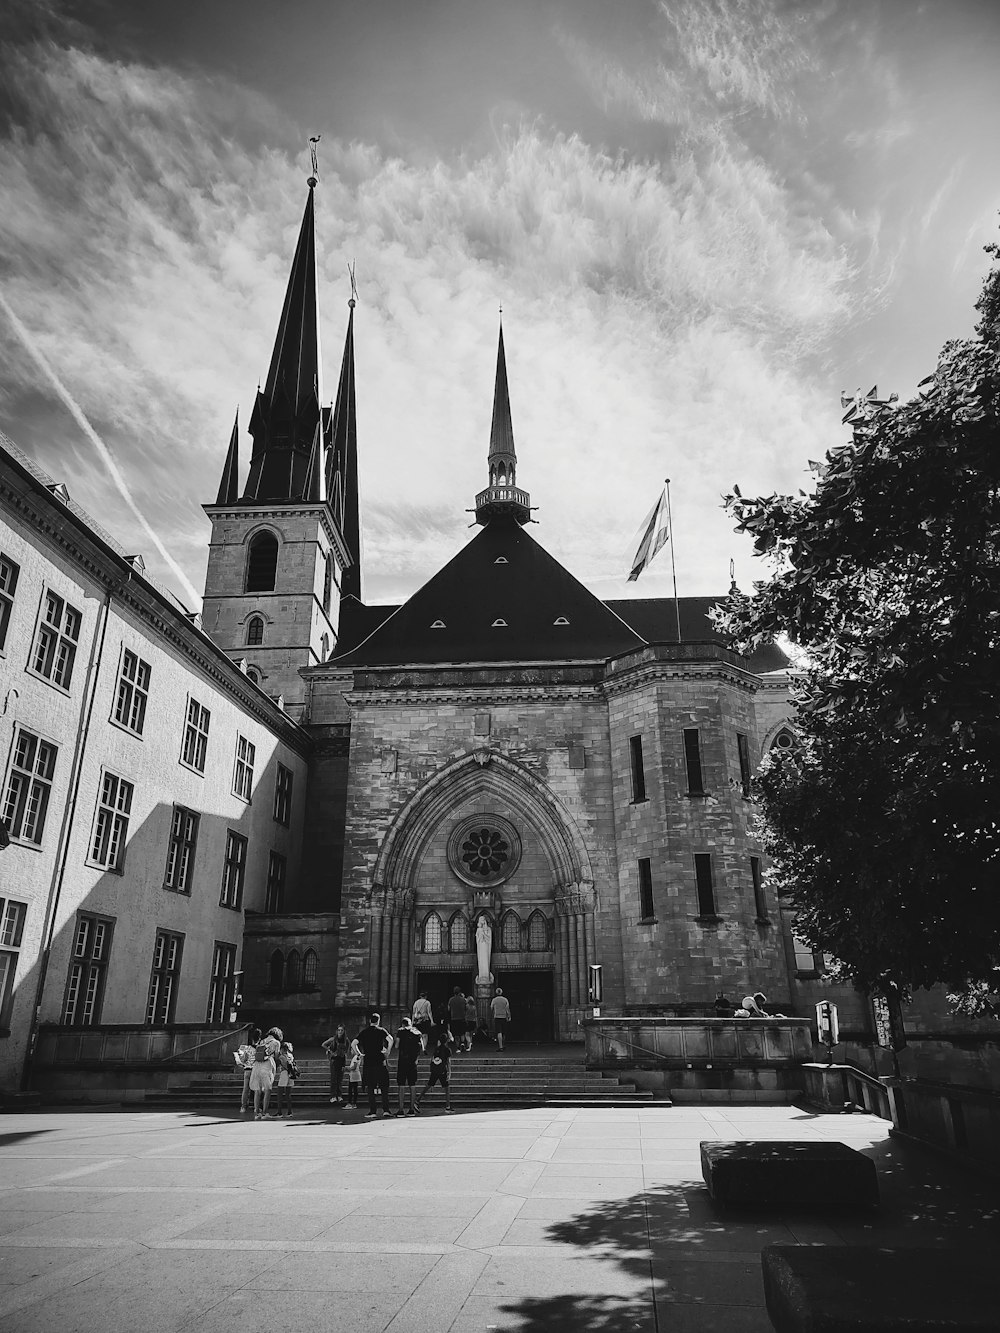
(221, 1037)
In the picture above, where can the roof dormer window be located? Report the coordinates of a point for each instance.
(560, 620)
(501, 560)
(499, 624)
(438, 624)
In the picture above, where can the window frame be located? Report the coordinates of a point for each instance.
(222, 984)
(283, 791)
(194, 742)
(257, 585)
(111, 823)
(165, 971)
(743, 756)
(637, 770)
(234, 871)
(645, 872)
(13, 915)
(459, 918)
(441, 936)
(88, 970)
(252, 638)
(175, 881)
(52, 655)
(131, 693)
(510, 916)
(759, 897)
(27, 788)
(10, 572)
(243, 766)
(693, 767)
(274, 890)
(704, 875)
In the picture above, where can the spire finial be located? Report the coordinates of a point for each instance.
(354, 286)
(314, 161)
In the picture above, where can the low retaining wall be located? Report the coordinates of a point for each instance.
(705, 1059)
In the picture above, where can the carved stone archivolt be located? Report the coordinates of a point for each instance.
(572, 899)
(384, 900)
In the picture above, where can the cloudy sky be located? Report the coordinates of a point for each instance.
(704, 218)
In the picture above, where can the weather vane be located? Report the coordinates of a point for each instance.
(354, 286)
(313, 141)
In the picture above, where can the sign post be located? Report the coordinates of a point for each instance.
(827, 1027)
(595, 990)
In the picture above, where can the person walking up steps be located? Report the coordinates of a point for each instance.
(501, 1016)
(410, 1045)
(440, 1073)
(456, 1017)
(422, 1017)
(471, 1020)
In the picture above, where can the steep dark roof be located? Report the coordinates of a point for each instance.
(654, 618)
(501, 575)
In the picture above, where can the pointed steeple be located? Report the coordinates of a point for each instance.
(344, 463)
(229, 485)
(503, 495)
(287, 409)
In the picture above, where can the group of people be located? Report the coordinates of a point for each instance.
(268, 1059)
(265, 1060)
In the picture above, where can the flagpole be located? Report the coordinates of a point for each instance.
(673, 565)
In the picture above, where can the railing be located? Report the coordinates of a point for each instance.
(135, 1045)
(503, 495)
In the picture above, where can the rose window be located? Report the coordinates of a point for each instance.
(485, 851)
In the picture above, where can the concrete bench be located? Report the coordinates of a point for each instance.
(789, 1173)
(854, 1289)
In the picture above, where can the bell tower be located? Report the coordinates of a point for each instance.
(279, 553)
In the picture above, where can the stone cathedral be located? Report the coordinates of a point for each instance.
(503, 757)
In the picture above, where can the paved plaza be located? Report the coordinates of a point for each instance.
(534, 1220)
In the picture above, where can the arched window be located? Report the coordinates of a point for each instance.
(538, 932)
(253, 674)
(510, 932)
(458, 934)
(784, 740)
(432, 934)
(327, 581)
(255, 631)
(309, 964)
(262, 563)
(293, 975)
(276, 970)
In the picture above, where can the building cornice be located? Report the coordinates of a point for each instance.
(275, 513)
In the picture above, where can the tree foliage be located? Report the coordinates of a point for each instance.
(884, 824)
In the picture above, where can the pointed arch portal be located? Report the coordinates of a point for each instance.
(424, 821)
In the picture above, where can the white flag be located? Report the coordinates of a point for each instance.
(655, 533)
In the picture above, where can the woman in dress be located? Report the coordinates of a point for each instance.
(262, 1074)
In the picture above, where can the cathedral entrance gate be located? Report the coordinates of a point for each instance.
(531, 996)
(440, 986)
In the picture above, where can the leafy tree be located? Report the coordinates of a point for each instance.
(883, 825)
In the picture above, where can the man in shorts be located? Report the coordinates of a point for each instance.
(440, 1072)
(456, 1017)
(501, 1016)
(409, 1045)
(375, 1044)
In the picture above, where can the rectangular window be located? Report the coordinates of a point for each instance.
(806, 961)
(743, 750)
(692, 760)
(29, 785)
(706, 886)
(283, 795)
(180, 853)
(274, 898)
(243, 770)
(114, 805)
(196, 736)
(54, 651)
(8, 587)
(133, 692)
(760, 902)
(234, 870)
(12, 916)
(645, 889)
(220, 992)
(87, 970)
(638, 771)
(164, 979)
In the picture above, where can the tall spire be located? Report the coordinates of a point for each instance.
(283, 423)
(344, 460)
(229, 485)
(503, 495)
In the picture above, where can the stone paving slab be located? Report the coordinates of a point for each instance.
(536, 1220)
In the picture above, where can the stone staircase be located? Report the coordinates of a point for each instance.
(495, 1081)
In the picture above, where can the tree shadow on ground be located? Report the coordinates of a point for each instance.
(16, 1136)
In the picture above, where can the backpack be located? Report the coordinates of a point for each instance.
(261, 1053)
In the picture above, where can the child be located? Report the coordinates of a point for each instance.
(355, 1071)
(287, 1074)
(440, 1073)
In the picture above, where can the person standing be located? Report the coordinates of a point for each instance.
(375, 1044)
(262, 1074)
(336, 1050)
(471, 1020)
(354, 1073)
(422, 1016)
(500, 1008)
(287, 1074)
(244, 1062)
(456, 1017)
(409, 1045)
